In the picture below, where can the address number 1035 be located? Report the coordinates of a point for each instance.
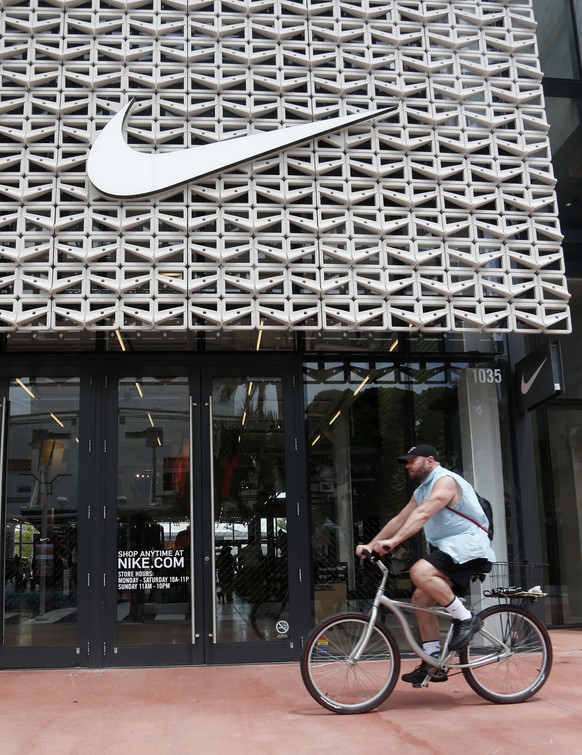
(486, 374)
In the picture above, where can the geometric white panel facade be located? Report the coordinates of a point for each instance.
(441, 216)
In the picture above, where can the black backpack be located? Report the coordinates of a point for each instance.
(487, 508)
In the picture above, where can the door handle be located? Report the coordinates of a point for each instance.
(3, 425)
(212, 557)
(193, 635)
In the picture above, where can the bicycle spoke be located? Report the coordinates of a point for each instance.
(517, 672)
(339, 682)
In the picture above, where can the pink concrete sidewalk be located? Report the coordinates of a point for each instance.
(266, 710)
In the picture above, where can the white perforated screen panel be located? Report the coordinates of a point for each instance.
(438, 216)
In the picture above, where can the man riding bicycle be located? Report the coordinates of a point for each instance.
(455, 527)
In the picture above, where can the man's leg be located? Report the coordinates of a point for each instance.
(424, 576)
(431, 587)
(431, 583)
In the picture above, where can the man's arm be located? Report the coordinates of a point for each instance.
(390, 528)
(444, 493)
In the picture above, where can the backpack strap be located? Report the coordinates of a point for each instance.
(450, 508)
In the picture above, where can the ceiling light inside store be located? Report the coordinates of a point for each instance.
(121, 341)
(25, 388)
(362, 384)
(259, 336)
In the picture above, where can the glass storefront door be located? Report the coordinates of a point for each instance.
(159, 534)
(40, 450)
(256, 598)
(249, 510)
(201, 519)
(153, 512)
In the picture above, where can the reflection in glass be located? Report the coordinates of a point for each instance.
(556, 37)
(565, 119)
(360, 417)
(153, 512)
(356, 419)
(250, 524)
(561, 513)
(40, 547)
(571, 361)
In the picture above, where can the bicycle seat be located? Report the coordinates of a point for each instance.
(482, 573)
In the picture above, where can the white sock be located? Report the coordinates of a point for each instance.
(431, 648)
(458, 610)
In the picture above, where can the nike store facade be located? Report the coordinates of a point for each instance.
(250, 252)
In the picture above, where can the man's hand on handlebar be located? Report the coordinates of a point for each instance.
(382, 547)
(378, 547)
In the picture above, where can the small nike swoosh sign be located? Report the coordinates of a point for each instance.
(527, 384)
(118, 170)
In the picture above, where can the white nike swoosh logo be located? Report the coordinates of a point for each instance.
(118, 170)
(527, 384)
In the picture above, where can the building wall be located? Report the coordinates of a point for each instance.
(555, 424)
(438, 216)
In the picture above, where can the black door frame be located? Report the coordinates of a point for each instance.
(96, 629)
(289, 369)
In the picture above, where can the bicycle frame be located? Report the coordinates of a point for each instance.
(400, 608)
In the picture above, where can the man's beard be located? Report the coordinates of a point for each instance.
(420, 476)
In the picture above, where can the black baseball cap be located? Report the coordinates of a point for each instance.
(423, 449)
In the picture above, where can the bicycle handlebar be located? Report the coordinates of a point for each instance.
(372, 556)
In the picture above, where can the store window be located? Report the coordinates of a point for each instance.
(565, 118)
(562, 515)
(360, 417)
(556, 34)
(558, 437)
(41, 512)
(571, 361)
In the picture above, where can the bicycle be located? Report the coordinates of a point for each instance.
(351, 663)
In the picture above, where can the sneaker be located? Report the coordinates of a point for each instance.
(417, 677)
(463, 632)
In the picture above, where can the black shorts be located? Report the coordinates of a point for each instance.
(460, 574)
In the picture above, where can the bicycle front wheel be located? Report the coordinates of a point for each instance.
(516, 652)
(339, 681)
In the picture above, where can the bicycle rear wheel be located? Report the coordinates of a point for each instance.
(523, 672)
(335, 679)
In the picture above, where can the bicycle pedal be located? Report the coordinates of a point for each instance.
(441, 678)
(436, 676)
(418, 685)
